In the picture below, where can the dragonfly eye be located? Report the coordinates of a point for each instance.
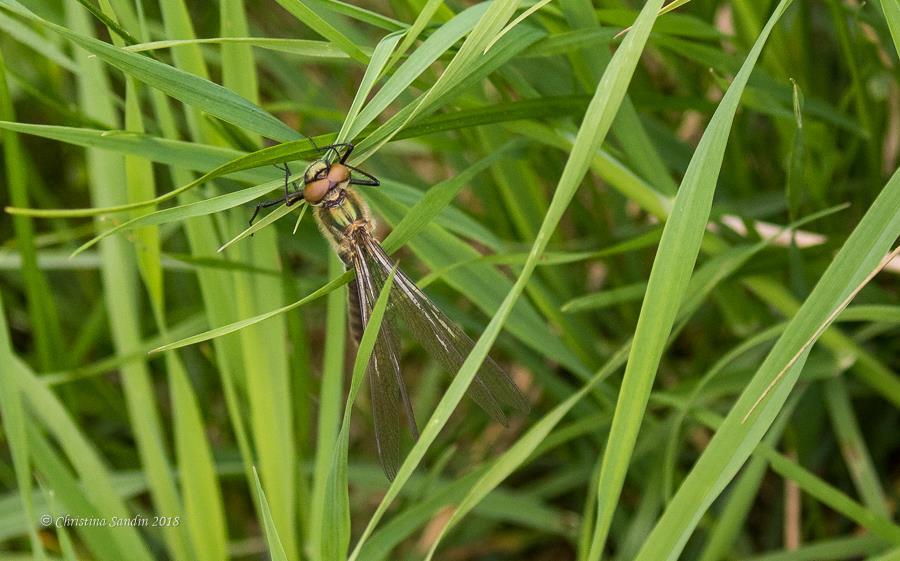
(315, 191)
(316, 170)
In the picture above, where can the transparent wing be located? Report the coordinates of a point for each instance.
(388, 391)
(492, 389)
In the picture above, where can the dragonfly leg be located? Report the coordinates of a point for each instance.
(287, 176)
(265, 204)
(290, 197)
(369, 179)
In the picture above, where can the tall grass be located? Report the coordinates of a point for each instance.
(669, 223)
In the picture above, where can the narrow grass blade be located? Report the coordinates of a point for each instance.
(203, 506)
(266, 156)
(522, 17)
(276, 549)
(675, 258)
(853, 447)
(412, 33)
(300, 216)
(42, 304)
(336, 516)
(190, 89)
(314, 21)
(607, 99)
(363, 15)
(182, 212)
(373, 71)
(892, 16)
(65, 542)
(330, 399)
(606, 298)
(259, 225)
(237, 326)
(735, 440)
(301, 47)
(14, 421)
(423, 57)
(821, 329)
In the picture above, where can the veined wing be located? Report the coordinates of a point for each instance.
(492, 389)
(386, 386)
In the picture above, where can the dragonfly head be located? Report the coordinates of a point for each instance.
(324, 181)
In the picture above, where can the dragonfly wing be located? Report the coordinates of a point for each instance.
(354, 311)
(388, 391)
(492, 389)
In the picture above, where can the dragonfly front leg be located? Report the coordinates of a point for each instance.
(290, 197)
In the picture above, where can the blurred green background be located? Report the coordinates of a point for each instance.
(230, 447)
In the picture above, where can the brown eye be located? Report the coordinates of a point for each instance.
(315, 190)
(338, 173)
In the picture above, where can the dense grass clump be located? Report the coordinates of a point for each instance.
(673, 225)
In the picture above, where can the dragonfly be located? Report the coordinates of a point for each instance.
(345, 220)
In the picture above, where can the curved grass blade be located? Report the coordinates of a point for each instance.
(607, 98)
(377, 63)
(364, 15)
(238, 325)
(260, 224)
(191, 210)
(314, 21)
(522, 17)
(13, 415)
(303, 47)
(675, 258)
(437, 44)
(336, 519)
(266, 156)
(183, 86)
(276, 549)
(735, 440)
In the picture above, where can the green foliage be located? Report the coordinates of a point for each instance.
(654, 217)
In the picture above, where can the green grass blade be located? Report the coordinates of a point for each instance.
(601, 111)
(276, 549)
(414, 30)
(336, 515)
(14, 421)
(892, 16)
(735, 439)
(301, 47)
(432, 48)
(607, 298)
(237, 326)
(330, 399)
(853, 447)
(669, 277)
(373, 71)
(203, 507)
(42, 310)
(314, 21)
(186, 87)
